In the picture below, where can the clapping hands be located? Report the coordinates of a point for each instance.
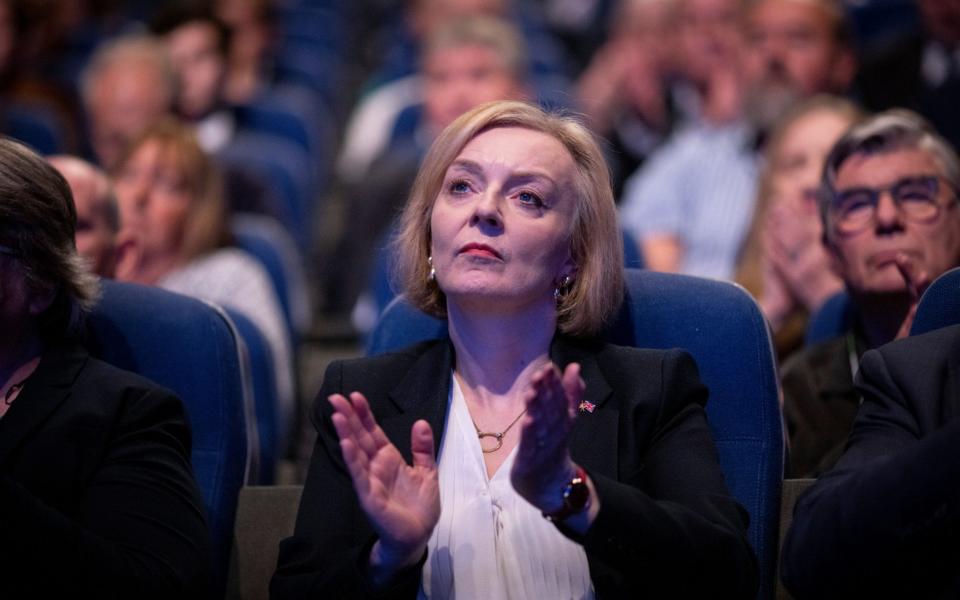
(401, 500)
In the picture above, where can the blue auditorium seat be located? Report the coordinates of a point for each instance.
(940, 304)
(722, 327)
(255, 352)
(190, 348)
(286, 168)
(275, 250)
(834, 318)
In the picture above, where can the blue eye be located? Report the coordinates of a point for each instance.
(530, 199)
(459, 187)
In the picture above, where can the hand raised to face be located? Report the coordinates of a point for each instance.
(543, 466)
(402, 501)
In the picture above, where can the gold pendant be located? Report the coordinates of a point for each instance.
(483, 434)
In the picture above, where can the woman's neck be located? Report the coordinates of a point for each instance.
(497, 353)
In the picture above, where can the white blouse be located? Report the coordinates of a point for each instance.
(489, 542)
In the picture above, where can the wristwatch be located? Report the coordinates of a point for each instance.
(576, 498)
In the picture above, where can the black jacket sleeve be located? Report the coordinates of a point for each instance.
(885, 522)
(331, 530)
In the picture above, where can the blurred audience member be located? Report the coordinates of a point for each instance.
(783, 262)
(171, 204)
(98, 217)
(691, 204)
(709, 50)
(883, 523)
(465, 63)
(198, 42)
(920, 70)
(625, 90)
(253, 33)
(97, 494)
(888, 201)
(128, 85)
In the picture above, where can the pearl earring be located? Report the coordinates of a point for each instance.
(433, 272)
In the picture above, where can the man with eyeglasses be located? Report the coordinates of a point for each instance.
(888, 201)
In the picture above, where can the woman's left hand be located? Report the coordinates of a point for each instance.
(543, 466)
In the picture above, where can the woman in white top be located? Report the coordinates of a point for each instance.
(170, 195)
(511, 234)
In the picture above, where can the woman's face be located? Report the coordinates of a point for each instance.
(502, 221)
(154, 200)
(798, 162)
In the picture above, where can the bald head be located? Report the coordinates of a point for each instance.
(98, 219)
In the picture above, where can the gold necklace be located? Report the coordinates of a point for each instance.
(494, 434)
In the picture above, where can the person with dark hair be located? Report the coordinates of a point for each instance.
(888, 204)
(545, 463)
(97, 495)
(197, 43)
(885, 522)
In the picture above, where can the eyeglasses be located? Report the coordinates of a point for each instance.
(855, 209)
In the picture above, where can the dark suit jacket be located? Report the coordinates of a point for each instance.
(667, 526)
(97, 497)
(886, 521)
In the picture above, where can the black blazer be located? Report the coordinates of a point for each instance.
(97, 496)
(886, 521)
(667, 527)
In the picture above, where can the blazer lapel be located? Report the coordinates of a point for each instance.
(593, 441)
(422, 394)
(42, 394)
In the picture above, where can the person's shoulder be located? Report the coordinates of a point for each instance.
(390, 364)
(629, 362)
(921, 356)
(113, 381)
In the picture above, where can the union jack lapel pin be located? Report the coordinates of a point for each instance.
(586, 406)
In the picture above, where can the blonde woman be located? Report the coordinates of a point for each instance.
(520, 457)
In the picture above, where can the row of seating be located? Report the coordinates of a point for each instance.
(198, 351)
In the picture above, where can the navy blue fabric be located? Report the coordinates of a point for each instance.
(36, 126)
(940, 304)
(832, 319)
(254, 239)
(188, 347)
(722, 327)
(264, 385)
(285, 166)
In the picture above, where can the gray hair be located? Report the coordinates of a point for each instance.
(891, 130)
(132, 49)
(38, 222)
(490, 32)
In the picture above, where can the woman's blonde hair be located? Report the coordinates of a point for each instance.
(596, 244)
(206, 227)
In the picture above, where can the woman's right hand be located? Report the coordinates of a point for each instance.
(402, 501)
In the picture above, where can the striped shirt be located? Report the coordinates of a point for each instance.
(701, 188)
